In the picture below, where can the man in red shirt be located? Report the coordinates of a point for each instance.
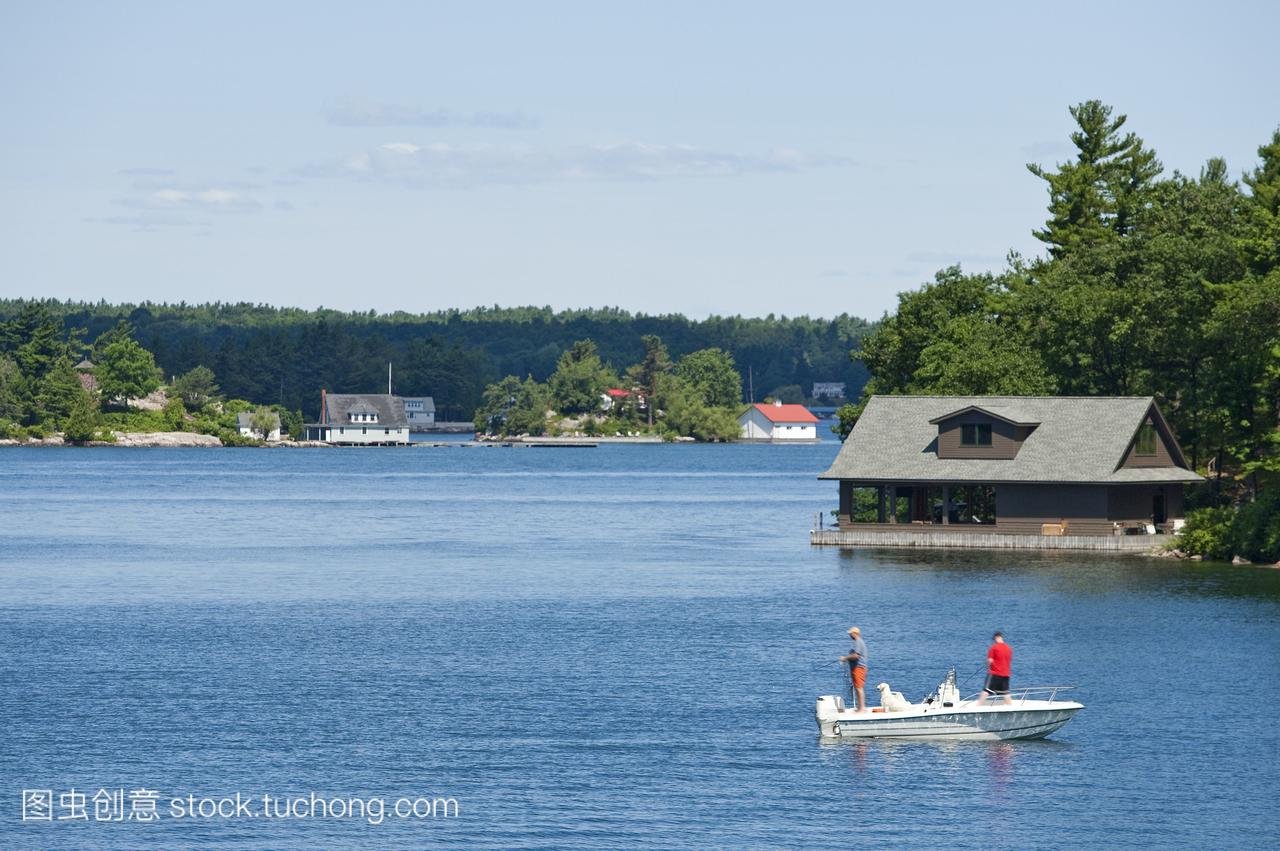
(999, 665)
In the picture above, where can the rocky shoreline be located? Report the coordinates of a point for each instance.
(159, 440)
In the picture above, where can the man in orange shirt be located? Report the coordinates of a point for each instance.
(857, 661)
(999, 667)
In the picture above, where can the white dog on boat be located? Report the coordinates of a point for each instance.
(892, 701)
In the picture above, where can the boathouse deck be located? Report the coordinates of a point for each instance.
(984, 540)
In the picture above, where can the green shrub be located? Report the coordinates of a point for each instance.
(142, 421)
(233, 437)
(37, 431)
(9, 430)
(82, 421)
(1255, 529)
(174, 415)
(1206, 533)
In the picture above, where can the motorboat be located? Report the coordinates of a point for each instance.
(1031, 713)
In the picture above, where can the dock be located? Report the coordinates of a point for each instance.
(985, 540)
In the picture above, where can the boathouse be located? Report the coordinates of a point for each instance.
(1009, 466)
(777, 422)
(363, 419)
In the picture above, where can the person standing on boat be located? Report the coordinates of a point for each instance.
(999, 667)
(857, 661)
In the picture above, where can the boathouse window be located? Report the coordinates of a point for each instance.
(975, 434)
(1146, 443)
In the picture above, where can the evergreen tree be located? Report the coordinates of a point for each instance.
(13, 404)
(60, 391)
(512, 407)
(81, 423)
(580, 379)
(646, 374)
(1262, 243)
(196, 387)
(1096, 196)
(37, 341)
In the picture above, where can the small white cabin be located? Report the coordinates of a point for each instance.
(244, 424)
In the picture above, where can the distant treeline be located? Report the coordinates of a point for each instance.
(280, 355)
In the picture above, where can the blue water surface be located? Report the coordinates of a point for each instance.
(587, 647)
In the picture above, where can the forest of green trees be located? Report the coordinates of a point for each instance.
(1167, 285)
(284, 356)
(698, 396)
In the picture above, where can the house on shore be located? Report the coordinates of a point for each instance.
(420, 411)
(612, 397)
(1008, 467)
(244, 424)
(360, 419)
(85, 373)
(778, 423)
(828, 390)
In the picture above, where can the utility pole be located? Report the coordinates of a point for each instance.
(751, 386)
(388, 378)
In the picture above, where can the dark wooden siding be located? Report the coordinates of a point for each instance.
(1021, 509)
(1131, 503)
(1162, 457)
(1005, 438)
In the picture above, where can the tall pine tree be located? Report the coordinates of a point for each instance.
(1096, 196)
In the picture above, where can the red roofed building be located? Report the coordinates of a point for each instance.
(615, 396)
(778, 422)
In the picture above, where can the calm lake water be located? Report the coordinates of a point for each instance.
(617, 646)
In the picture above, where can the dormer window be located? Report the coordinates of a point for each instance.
(975, 434)
(1146, 440)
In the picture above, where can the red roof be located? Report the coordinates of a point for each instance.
(617, 393)
(786, 413)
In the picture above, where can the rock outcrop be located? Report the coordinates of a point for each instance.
(164, 439)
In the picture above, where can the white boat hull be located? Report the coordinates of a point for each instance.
(1026, 719)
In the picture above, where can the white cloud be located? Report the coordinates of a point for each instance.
(210, 200)
(443, 164)
(157, 200)
(361, 112)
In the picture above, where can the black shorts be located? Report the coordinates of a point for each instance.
(997, 685)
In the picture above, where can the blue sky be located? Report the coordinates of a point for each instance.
(700, 158)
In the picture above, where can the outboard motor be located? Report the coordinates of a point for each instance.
(828, 710)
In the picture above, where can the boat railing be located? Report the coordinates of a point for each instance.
(1020, 695)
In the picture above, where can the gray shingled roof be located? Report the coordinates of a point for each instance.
(1078, 439)
(428, 403)
(390, 409)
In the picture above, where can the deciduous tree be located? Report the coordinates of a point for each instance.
(711, 374)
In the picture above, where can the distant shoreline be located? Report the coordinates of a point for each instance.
(194, 440)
